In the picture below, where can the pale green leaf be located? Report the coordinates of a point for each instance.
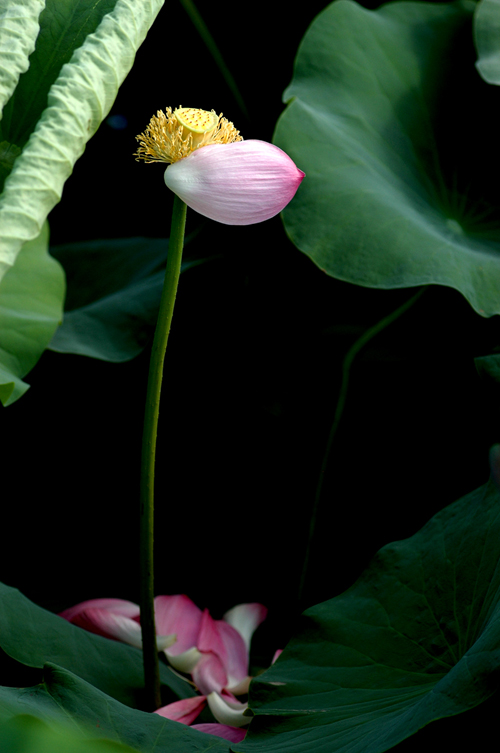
(31, 298)
(80, 98)
(18, 32)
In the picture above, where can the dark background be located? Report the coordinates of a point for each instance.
(253, 371)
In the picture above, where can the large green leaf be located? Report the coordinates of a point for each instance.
(77, 102)
(487, 37)
(32, 636)
(27, 734)
(65, 699)
(397, 135)
(415, 639)
(50, 110)
(31, 296)
(112, 315)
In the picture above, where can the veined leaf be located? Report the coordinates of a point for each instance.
(416, 638)
(63, 699)
(83, 53)
(80, 98)
(19, 29)
(112, 315)
(396, 133)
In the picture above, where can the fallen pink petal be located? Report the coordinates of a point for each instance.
(237, 184)
(234, 734)
(184, 711)
(112, 618)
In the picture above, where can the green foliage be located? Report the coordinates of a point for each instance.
(112, 315)
(487, 38)
(33, 636)
(31, 296)
(53, 100)
(27, 734)
(394, 129)
(63, 699)
(416, 638)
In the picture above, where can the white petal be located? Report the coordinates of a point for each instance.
(225, 714)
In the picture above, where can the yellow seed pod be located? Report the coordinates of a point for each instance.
(171, 136)
(196, 123)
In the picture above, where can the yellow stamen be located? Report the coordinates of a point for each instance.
(172, 136)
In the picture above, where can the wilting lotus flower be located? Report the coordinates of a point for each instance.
(214, 171)
(229, 712)
(214, 652)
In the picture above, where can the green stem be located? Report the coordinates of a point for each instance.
(346, 368)
(172, 272)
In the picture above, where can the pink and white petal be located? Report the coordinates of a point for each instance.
(209, 674)
(185, 662)
(225, 713)
(165, 641)
(178, 614)
(111, 625)
(276, 654)
(119, 606)
(237, 184)
(246, 618)
(234, 734)
(234, 654)
(220, 638)
(241, 687)
(184, 711)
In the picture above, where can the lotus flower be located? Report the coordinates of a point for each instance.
(215, 652)
(214, 171)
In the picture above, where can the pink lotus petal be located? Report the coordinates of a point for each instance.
(209, 674)
(237, 184)
(226, 660)
(184, 711)
(246, 618)
(235, 656)
(119, 606)
(178, 614)
(277, 653)
(111, 618)
(111, 625)
(234, 734)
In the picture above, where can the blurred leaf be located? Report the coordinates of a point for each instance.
(416, 638)
(489, 366)
(33, 636)
(397, 135)
(31, 296)
(111, 314)
(27, 734)
(487, 38)
(64, 699)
